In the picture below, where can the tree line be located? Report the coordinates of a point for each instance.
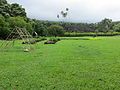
(12, 15)
(103, 27)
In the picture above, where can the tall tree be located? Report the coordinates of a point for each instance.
(2, 2)
(17, 10)
(55, 30)
(4, 28)
(105, 25)
(116, 27)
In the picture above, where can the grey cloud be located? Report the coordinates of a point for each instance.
(80, 10)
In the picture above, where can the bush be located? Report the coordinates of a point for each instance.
(55, 30)
(4, 28)
(52, 41)
(41, 39)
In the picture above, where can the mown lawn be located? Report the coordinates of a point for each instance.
(68, 65)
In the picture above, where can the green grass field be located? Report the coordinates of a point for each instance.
(68, 65)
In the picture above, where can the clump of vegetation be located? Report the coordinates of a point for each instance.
(41, 39)
(52, 41)
(55, 30)
(92, 34)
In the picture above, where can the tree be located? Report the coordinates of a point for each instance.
(17, 10)
(5, 8)
(3, 2)
(11, 9)
(116, 27)
(19, 22)
(105, 25)
(12, 15)
(29, 27)
(40, 28)
(4, 28)
(55, 30)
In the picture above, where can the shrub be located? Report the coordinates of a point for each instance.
(4, 28)
(52, 41)
(41, 39)
(55, 30)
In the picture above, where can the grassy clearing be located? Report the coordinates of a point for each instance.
(67, 65)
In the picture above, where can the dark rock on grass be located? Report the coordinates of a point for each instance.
(50, 42)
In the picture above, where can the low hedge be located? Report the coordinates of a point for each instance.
(90, 34)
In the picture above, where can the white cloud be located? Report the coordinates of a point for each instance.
(80, 10)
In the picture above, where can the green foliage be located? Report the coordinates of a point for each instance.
(40, 39)
(17, 21)
(17, 10)
(40, 28)
(5, 9)
(4, 28)
(2, 2)
(105, 25)
(12, 15)
(55, 30)
(75, 34)
(29, 27)
(117, 27)
(54, 39)
(6, 25)
(12, 10)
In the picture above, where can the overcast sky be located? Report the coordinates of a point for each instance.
(79, 10)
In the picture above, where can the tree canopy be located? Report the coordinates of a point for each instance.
(55, 30)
